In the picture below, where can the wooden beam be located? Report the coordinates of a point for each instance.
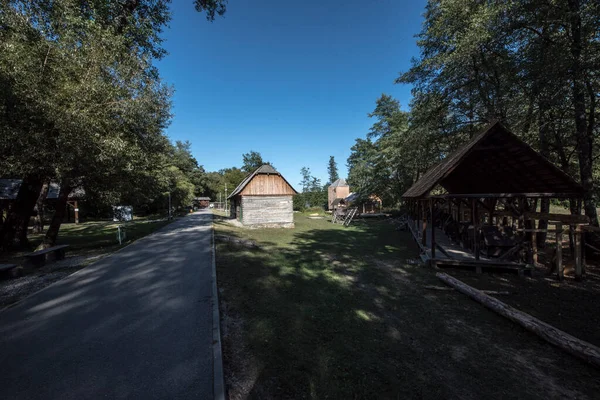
(566, 218)
(572, 345)
(508, 195)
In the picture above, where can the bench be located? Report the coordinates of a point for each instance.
(38, 258)
(9, 269)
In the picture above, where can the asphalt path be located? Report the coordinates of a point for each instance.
(137, 325)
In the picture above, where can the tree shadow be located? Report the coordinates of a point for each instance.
(342, 315)
(135, 324)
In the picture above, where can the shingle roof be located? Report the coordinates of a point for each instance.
(9, 188)
(495, 162)
(264, 169)
(338, 183)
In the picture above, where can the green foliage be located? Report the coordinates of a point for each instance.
(313, 193)
(332, 170)
(383, 164)
(531, 64)
(211, 7)
(252, 161)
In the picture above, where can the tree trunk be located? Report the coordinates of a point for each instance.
(57, 218)
(584, 140)
(572, 345)
(21, 210)
(38, 226)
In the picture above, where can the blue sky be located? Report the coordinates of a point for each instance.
(293, 80)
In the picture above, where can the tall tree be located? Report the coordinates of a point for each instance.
(332, 170)
(252, 161)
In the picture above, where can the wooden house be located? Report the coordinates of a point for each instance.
(337, 190)
(263, 200)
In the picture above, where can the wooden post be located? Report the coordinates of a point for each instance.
(424, 227)
(559, 264)
(534, 248)
(475, 220)
(432, 229)
(76, 208)
(578, 252)
(459, 212)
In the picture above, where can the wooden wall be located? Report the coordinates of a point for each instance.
(267, 210)
(339, 192)
(262, 185)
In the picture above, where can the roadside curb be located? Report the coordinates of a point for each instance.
(16, 303)
(218, 380)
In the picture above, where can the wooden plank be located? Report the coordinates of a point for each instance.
(7, 267)
(48, 250)
(566, 218)
(482, 263)
(572, 345)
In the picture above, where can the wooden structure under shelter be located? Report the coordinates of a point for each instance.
(477, 207)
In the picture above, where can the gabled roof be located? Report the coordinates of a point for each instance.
(338, 183)
(496, 162)
(9, 188)
(262, 170)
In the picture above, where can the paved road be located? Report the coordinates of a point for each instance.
(137, 324)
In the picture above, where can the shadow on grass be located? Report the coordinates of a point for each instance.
(340, 315)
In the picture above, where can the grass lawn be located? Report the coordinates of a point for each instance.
(92, 236)
(327, 312)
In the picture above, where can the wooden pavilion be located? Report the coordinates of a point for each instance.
(485, 195)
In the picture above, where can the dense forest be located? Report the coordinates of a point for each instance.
(82, 104)
(534, 65)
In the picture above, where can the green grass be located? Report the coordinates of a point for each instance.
(327, 312)
(92, 237)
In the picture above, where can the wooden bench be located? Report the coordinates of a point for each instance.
(9, 269)
(38, 258)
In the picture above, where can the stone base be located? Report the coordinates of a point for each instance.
(288, 225)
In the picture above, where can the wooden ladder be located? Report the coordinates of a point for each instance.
(350, 216)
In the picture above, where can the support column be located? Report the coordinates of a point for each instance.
(76, 208)
(475, 221)
(424, 226)
(559, 265)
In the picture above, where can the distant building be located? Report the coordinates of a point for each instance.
(370, 205)
(337, 190)
(201, 202)
(263, 200)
